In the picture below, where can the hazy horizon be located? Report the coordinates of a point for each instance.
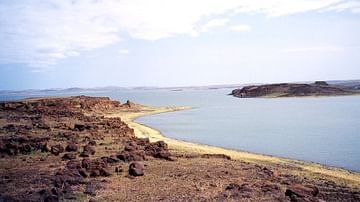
(129, 43)
(174, 87)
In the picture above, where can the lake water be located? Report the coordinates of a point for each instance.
(324, 130)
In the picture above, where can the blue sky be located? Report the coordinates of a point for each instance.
(70, 43)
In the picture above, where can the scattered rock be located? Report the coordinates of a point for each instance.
(131, 146)
(270, 187)
(92, 142)
(69, 156)
(104, 172)
(152, 149)
(46, 147)
(96, 167)
(296, 191)
(236, 187)
(136, 169)
(118, 169)
(79, 127)
(110, 159)
(163, 154)
(83, 172)
(87, 151)
(71, 147)
(235, 192)
(57, 149)
(127, 156)
(220, 156)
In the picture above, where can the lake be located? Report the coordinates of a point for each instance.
(325, 130)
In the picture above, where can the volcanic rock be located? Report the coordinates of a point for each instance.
(131, 146)
(296, 191)
(152, 149)
(87, 151)
(92, 142)
(163, 154)
(69, 156)
(46, 147)
(71, 147)
(136, 169)
(127, 156)
(57, 149)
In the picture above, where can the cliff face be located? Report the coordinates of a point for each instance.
(290, 90)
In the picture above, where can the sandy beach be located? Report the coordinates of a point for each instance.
(308, 169)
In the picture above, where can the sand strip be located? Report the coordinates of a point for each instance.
(336, 174)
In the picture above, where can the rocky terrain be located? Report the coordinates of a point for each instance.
(66, 149)
(319, 88)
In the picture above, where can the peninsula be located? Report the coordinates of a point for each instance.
(318, 88)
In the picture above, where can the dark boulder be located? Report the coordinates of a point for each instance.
(87, 151)
(71, 147)
(69, 156)
(163, 154)
(92, 143)
(57, 149)
(79, 127)
(131, 146)
(46, 147)
(96, 167)
(83, 172)
(127, 156)
(110, 159)
(25, 148)
(136, 169)
(152, 149)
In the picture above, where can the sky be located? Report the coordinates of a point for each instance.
(96, 43)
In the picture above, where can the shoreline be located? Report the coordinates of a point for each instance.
(340, 175)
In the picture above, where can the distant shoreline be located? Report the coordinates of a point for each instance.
(184, 147)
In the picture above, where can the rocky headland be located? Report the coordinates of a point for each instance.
(318, 88)
(88, 149)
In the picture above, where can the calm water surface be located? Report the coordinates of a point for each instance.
(324, 130)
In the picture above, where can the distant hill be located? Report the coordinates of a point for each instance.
(318, 88)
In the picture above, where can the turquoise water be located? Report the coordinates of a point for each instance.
(323, 130)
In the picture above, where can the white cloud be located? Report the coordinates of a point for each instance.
(124, 51)
(39, 33)
(240, 28)
(214, 23)
(353, 6)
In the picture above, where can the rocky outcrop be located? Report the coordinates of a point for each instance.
(67, 131)
(319, 88)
